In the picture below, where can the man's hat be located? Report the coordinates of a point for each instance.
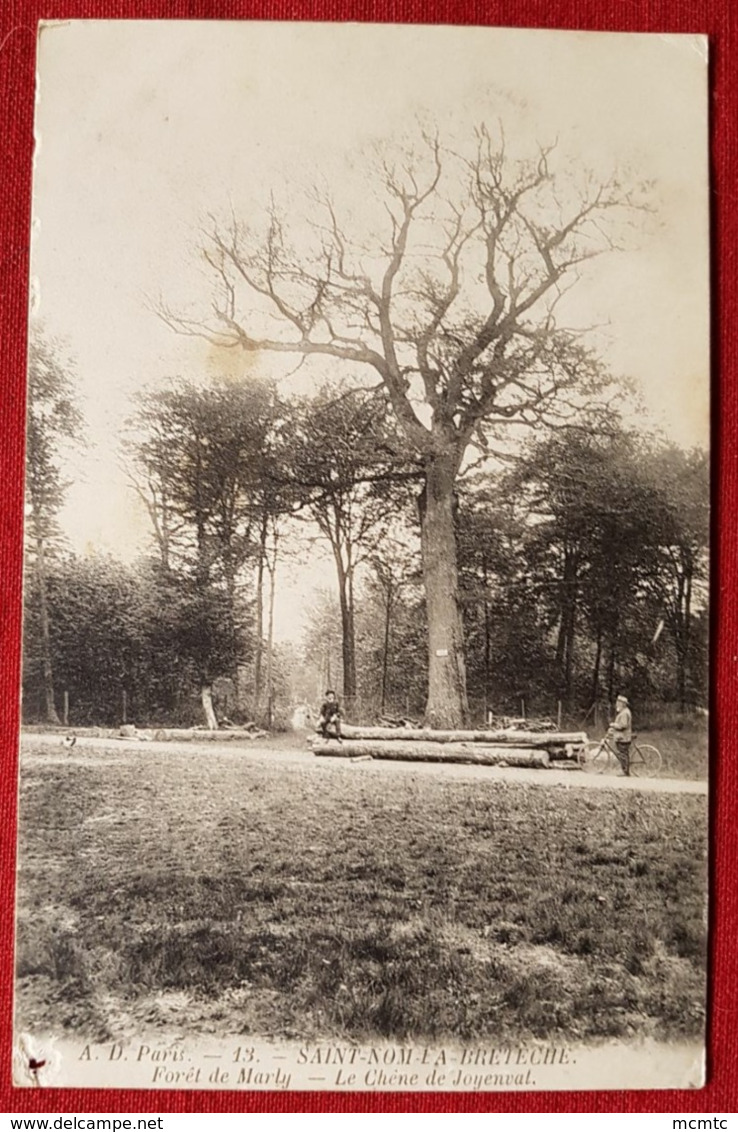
(622, 699)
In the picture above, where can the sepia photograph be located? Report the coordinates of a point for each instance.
(365, 693)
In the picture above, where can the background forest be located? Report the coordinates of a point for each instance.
(582, 565)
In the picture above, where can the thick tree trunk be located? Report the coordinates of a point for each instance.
(348, 645)
(565, 642)
(569, 657)
(229, 570)
(50, 711)
(687, 639)
(611, 668)
(350, 696)
(560, 645)
(270, 639)
(681, 634)
(596, 667)
(487, 661)
(259, 613)
(385, 650)
(487, 641)
(206, 696)
(436, 753)
(447, 704)
(494, 737)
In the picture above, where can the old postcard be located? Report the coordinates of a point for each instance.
(365, 635)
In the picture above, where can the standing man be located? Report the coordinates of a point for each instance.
(621, 730)
(330, 716)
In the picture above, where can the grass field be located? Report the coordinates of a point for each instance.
(222, 893)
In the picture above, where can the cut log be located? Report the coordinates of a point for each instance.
(193, 735)
(425, 735)
(436, 752)
(129, 731)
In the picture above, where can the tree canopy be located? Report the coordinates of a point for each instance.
(450, 303)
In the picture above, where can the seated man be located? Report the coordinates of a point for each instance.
(621, 730)
(330, 717)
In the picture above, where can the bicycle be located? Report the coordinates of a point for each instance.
(601, 756)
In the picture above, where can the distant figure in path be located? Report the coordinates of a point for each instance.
(300, 717)
(621, 730)
(330, 717)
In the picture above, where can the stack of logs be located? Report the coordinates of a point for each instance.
(507, 747)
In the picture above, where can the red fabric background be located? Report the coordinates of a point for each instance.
(718, 19)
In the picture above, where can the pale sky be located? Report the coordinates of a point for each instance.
(144, 127)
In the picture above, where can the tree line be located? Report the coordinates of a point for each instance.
(461, 457)
(582, 564)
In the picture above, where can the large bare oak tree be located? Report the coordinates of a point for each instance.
(447, 296)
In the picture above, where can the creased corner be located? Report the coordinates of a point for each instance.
(698, 44)
(697, 1072)
(36, 1062)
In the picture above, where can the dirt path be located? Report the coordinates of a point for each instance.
(90, 751)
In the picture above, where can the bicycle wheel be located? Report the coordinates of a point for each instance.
(645, 760)
(596, 757)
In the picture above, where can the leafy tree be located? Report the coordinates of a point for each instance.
(202, 466)
(198, 458)
(53, 421)
(611, 537)
(678, 583)
(95, 638)
(584, 538)
(451, 307)
(348, 479)
(139, 632)
(505, 621)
